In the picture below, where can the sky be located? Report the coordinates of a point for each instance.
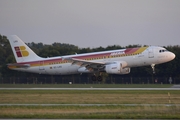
(92, 23)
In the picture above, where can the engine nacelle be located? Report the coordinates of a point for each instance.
(117, 68)
(83, 70)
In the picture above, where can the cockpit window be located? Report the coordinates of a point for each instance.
(163, 50)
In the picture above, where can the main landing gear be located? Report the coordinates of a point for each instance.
(96, 78)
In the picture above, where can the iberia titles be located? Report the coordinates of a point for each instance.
(117, 53)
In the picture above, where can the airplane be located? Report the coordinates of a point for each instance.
(112, 62)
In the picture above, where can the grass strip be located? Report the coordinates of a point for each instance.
(91, 112)
(88, 97)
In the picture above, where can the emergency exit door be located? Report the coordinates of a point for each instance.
(41, 65)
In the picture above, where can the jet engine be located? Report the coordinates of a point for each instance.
(83, 70)
(118, 67)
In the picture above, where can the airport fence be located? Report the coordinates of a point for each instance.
(87, 80)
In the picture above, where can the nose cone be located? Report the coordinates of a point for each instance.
(172, 56)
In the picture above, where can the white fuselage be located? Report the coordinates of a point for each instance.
(58, 66)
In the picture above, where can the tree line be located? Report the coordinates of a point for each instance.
(166, 70)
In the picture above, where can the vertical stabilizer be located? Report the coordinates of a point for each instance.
(21, 51)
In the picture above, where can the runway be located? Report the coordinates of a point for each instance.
(175, 88)
(167, 105)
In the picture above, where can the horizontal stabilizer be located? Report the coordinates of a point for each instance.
(19, 65)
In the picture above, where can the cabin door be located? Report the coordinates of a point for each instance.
(150, 53)
(41, 65)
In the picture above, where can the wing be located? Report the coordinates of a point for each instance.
(92, 66)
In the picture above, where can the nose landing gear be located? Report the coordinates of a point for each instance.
(153, 68)
(154, 74)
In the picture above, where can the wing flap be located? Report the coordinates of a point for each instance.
(84, 63)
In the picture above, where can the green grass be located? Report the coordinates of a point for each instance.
(90, 97)
(91, 112)
(85, 85)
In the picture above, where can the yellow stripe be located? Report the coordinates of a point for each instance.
(140, 50)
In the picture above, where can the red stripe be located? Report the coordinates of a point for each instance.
(131, 50)
(127, 51)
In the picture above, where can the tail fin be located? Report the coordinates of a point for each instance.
(21, 51)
